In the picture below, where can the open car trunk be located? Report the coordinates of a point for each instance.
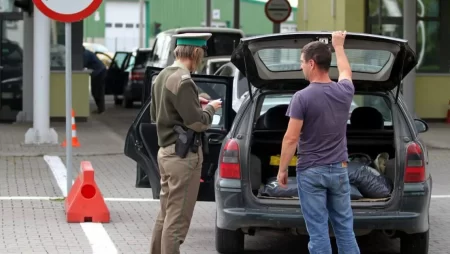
(371, 147)
(379, 64)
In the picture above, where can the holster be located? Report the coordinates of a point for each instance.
(184, 141)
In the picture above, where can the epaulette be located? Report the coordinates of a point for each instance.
(185, 77)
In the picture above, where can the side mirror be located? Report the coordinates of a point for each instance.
(421, 125)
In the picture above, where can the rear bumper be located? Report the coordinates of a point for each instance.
(235, 218)
(412, 218)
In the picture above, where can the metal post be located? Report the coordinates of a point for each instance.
(69, 105)
(410, 33)
(276, 28)
(41, 133)
(237, 14)
(141, 23)
(208, 13)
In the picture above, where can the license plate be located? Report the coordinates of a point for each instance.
(275, 161)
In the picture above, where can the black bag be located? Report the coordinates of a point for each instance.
(272, 189)
(369, 184)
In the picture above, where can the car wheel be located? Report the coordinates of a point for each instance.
(415, 243)
(228, 241)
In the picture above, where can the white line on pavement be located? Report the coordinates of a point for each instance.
(98, 238)
(62, 198)
(59, 172)
(95, 232)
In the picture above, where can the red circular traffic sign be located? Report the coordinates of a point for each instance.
(68, 10)
(278, 11)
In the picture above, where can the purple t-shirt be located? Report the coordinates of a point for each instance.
(324, 109)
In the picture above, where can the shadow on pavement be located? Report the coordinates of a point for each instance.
(375, 243)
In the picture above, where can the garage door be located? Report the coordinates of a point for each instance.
(122, 25)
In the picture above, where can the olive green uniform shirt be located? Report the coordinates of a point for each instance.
(175, 102)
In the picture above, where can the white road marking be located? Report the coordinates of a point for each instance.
(59, 172)
(95, 232)
(98, 238)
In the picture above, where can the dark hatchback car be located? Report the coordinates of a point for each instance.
(245, 147)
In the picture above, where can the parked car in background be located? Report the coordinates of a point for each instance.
(101, 51)
(221, 44)
(243, 147)
(212, 64)
(124, 77)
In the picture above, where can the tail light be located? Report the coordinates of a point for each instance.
(415, 165)
(137, 76)
(229, 161)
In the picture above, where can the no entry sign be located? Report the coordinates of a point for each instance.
(67, 10)
(277, 11)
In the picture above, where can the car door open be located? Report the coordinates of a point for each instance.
(116, 76)
(142, 141)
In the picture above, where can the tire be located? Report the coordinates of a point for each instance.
(415, 243)
(228, 241)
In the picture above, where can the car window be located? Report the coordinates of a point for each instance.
(158, 48)
(226, 71)
(119, 59)
(378, 102)
(214, 66)
(141, 58)
(242, 86)
(214, 91)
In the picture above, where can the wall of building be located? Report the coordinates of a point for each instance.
(432, 90)
(182, 13)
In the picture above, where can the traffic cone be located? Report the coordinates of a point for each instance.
(448, 112)
(85, 202)
(75, 142)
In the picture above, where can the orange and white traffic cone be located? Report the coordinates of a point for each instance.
(75, 142)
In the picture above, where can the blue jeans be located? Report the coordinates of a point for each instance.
(325, 193)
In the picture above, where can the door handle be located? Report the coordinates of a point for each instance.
(215, 141)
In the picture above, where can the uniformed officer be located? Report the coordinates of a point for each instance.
(175, 101)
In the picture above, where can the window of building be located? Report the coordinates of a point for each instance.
(385, 17)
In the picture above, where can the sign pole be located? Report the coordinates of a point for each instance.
(68, 57)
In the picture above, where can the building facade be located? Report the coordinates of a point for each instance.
(427, 90)
(116, 22)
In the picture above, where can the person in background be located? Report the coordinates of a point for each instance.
(317, 128)
(98, 75)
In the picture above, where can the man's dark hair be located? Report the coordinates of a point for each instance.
(319, 52)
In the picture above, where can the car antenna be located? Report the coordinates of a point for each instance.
(248, 81)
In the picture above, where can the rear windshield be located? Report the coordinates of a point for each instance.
(375, 101)
(288, 59)
(222, 44)
(141, 58)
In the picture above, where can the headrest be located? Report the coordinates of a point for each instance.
(276, 119)
(366, 118)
